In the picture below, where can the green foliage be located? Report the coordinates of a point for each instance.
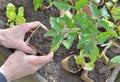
(10, 12)
(116, 13)
(94, 10)
(67, 43)
(55, 24)
(116, 59)
(114, 1)
(104, 12)
(80, 3)
(62, 5)
(13, 17)
(94, 53)
(56, 42)
(85, 29)
(20, 16)
(81, 60)
(89, 66)
(37, 4)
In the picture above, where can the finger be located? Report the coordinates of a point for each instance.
(31, 26)
(18, 52)
(27, 49)
(47, 58)
(41, 59)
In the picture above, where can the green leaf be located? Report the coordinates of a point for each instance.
(37, 4)
(89, 66)
(11, 24)
(51, 32)
(94, 10)
(115, 12)
(83, 41)
(10, 12)
(79, 4)
(116, 59)
(106, 24)
(20, 16)
(114, 1)
(103, 23)
(102, 37)
(116, 16)
(49, 1)
(55, 24)
(94, 53)
(109, 5)
(85, 23)
(88, 45)
(80, 60)
(62, 5)
(82, 20)
(68, 22)
(20, 20)
(56, 41)
(104, 12)
(113, 33)
(20, 11)
(69, 42)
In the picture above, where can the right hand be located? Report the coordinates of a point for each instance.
(20, 64)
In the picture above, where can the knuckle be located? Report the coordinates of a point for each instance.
(33, 61)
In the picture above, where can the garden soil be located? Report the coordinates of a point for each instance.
(52, 71)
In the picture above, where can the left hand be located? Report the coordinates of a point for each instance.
(14, 37)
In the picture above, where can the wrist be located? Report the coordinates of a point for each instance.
(2, 78)
(5, 74)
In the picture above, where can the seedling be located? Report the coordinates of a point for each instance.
(13, 17)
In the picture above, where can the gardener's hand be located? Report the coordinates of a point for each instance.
(20, 64)
(14, 37)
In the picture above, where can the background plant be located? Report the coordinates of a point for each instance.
(13, 17)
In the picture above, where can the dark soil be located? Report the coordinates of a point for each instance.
(100, 74)
(52, 71)
(72, 65)
(113, 51)
(39, 42)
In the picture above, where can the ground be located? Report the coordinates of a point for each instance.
(52, 71)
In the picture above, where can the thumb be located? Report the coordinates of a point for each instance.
(27, 49)
(44, 59)
(48, 57)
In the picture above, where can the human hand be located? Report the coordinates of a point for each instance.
(20, 64)
(14, 37)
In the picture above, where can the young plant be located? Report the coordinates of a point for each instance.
(88, 31)
(13, 17)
